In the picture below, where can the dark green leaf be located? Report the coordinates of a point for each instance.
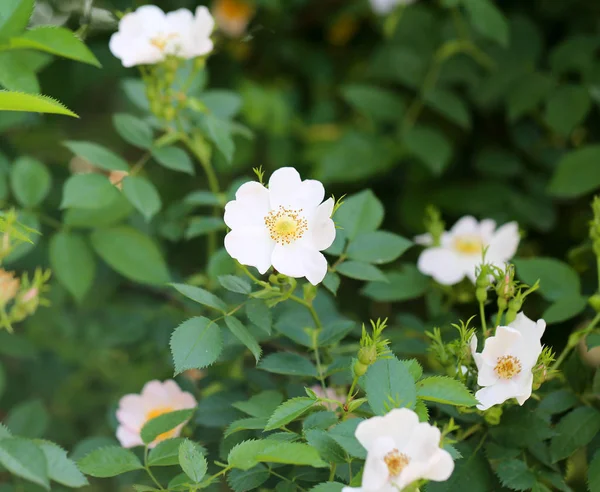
(375, 102)
(378, 247)
(200, 226)
(565, 308)
(488, 20)
(577, 173)
(28, 419)
(174, 158)
(288, 363)
(235, 284)
(259, 314)
(243, 335)
(594, 473)
(403, 285)
(515, 475)
(362, 212)
(576, 429)
(557, 279)
(133, 130)
(97, 155)
(72, 262)
(30, 181)
(361, 271)
(327, 446)
(567, 107)
(88, 191)
(241, 481)
(166, 453)
(430, 146)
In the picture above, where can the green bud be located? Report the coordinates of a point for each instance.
(481, 294)
(493, 415)
(502, 304)
(539, 376)
(515, 304)
(594, 301)
(359, 369)
(510, 315)
(368, 355)
(355, 404)
(310, 292)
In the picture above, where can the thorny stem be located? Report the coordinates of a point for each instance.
(147, 468)
(571, 345)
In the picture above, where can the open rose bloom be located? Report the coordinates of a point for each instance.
(286, 226)
(148, 35)
(155, 399)
(400, 450)
(505, 366)
(461, 249)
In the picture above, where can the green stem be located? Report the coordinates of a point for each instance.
(482, 316)
(499, 317)
(275, 474)
(351, 390)
(574, 340)
(222, 472)
(332, 472)
(147, 468)
(469, 432)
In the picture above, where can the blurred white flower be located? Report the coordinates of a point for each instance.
(285, 226)
(505, 366)
(155, 399)
(386, 6)
(232, 16)
(461, 249)
(148, 35)
(400, 450)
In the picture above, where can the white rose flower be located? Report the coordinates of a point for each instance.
(505, 366)
(383, 7)
(156, 398)
(461, 249)
(285, 226)
(400, 450)
(148, 35)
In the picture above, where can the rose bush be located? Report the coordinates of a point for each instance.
(234, 269)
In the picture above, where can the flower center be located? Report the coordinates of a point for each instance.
(468, 245)
(285, 225)
(162, 41)
(156, 412)
(507, 367)
(396, 462)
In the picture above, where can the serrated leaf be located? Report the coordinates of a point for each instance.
(109, 462)
(515, 475)
(243, 335)
(14, 16)
(196, 343)
(61, 469)
(73, 262)
(133, 130)
(262, 404)
(23, 458)
(288, 363)
(442, 389)
(192, 461)
(243, 455)
(326, 445)
(235, 284)
(292, 453)
(289, 411)
(166, 453)
(241, 481)
(142, 194)
(360, 213)
(520, 427)
(389, 384)
(575, 430)
(201, 296)
(89, 191)
(250, 423)
(344, 434)
(34, 103)
(166, 422)
(98, 155)
(30, 181)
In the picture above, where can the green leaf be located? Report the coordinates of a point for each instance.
(442, 389)
(98, 155)
(403, 285)
(262, 404)
(594, 473)
(488, 20)
(34, 103)
(378, 247)
(174, 158)
(73, 262)
(558, 401)
(244, 455)
(201, 296)
(577, 173)
(557, 279)
(164, 423)
(219, 132)
(575, 430)
(88, 218)
(28, 419)
(498, 163)
(131, 253)
(375, 102)
(248, 423)
(192, 461)
(361, 271)
(326, 445)
(471, 473)
(243, 335)
(90, 191)
(362, 212)
(592, 340)
(328, 487)
(430, 146)
(202, 198)
(292, 453)
(527, 94)
(166, 453)
(335, 332)
(567, 107)
(565, 308)
(60, 468)
(289, 411)
(259, 314)
(14, 16)
(388, 384)
(288, 363)
(23, 458)
(57, 41)
(515, 475)
(449, 105)
(200, 226)
(196, 343)
(235, 284)
(109, 462)
(16, 75)
(142, 194)
(521, 427)
(133, 130)
(241, 481)
(222, 103)
(30, 181)
(344, 434)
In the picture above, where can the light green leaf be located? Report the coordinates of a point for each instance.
(565, 308)
(142, 194)
(430, 146)
(89, 191)
(488, 20)
(132, 254)
(30, 181)
(292, 453)
(577, 173)
(375, 102)
(72, 262)
(219, 132)
(567, 107)
(362, 212)
(261, 405)
(199, 226)
(196, 343)
(109, 462)
(133, 130)
(378, 247)
(56, 40)
(403, 285)
(235, 284)
(16, 75)
(243, 335)
(201, 296)
(332, 282)
(98, 155)
(248, 423)
(575, 430)
(88, 218)
(14, 16)
(166, 453)
(192, 461)
(174, 158)
(289, 411)
(28, 419)
(244, 455)
(164, 423)
(26, 460)
(557, 279)
(288, 363)
(388, 385)
(222, 103)
(361, 271)
(446, 390)
(328, 487)
(34, 103)
(60, 468)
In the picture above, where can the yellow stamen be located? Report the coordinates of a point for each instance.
(468, 245)
(162, 41)
(396, 462)
(285, 225)
(507, 367)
